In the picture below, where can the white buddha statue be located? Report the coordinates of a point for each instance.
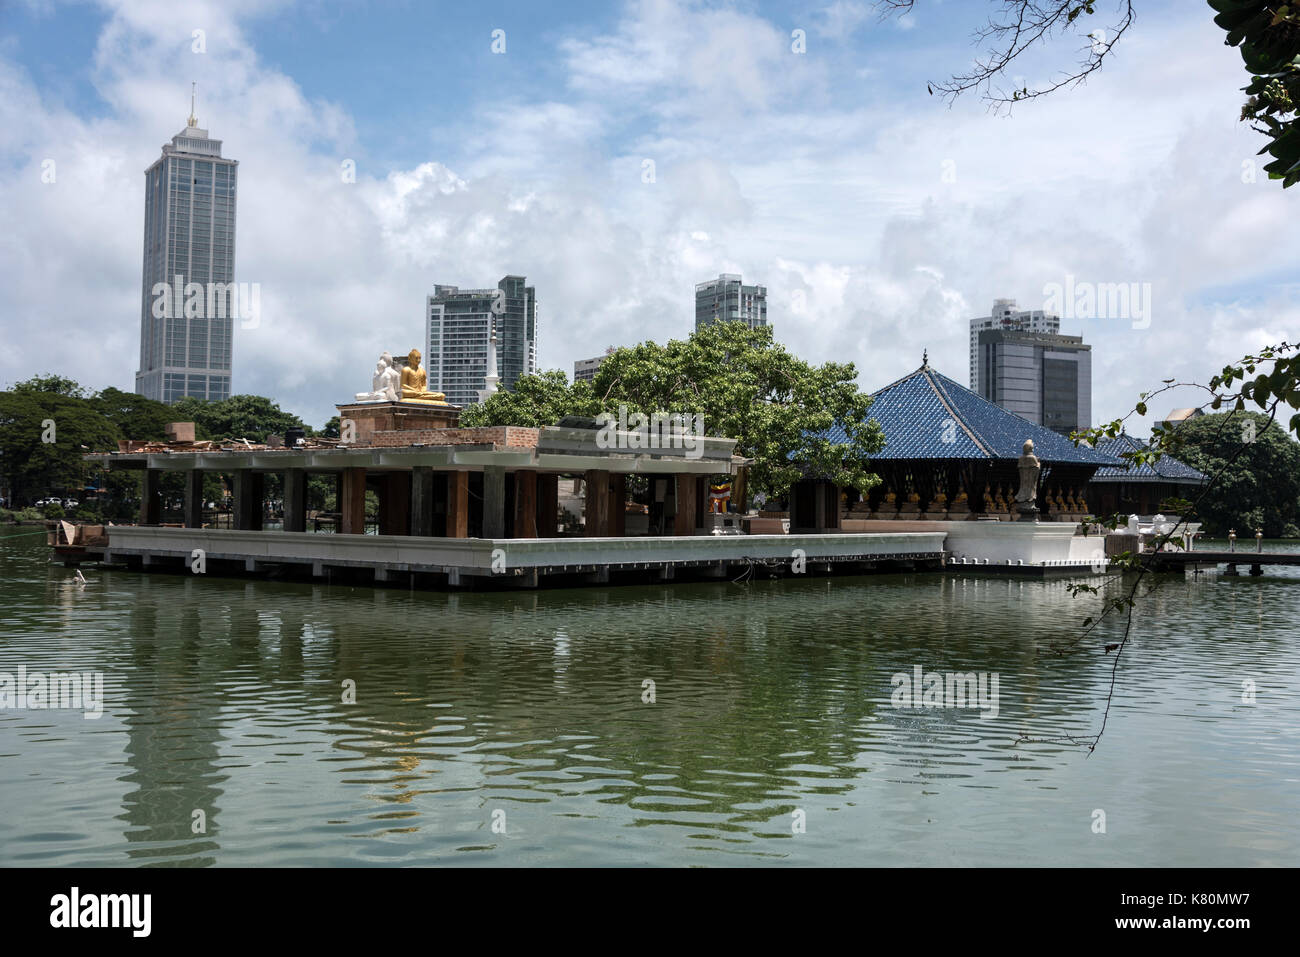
(386, 383)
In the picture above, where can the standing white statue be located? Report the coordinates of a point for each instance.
(1027, 494)
(386, 383)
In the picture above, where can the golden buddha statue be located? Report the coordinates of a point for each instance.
(415, 382)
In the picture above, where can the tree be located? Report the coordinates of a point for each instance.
(134, 416)
(251, 417)
(43, 436)
(1267, 31)
(535, 401)
(779, 408)
(1259, 488)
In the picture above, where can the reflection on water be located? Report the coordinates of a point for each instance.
(518, 728)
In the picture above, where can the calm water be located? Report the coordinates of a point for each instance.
(771, 739)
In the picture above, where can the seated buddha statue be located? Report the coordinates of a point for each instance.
(415, 382)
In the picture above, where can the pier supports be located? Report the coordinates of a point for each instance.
(422, 501)
(352, 502)
(458, 505)
(295, 500)
(597, 503)
(150, 499)
(494, 501)
(525, 519)
(193, 499)
(248, 500)
(687, 502)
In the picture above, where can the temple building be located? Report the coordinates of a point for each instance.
(1133, 489)
(950, 455)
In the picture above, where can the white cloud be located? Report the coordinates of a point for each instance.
(769, 164)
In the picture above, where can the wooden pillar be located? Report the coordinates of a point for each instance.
(150, 499)
(701, 499)
(248, 500)
(597, 503)
(295, 500)
(684, 520)
(352, 502)
(494, 501)
(618, 504)
(458, 505)
(548, 504)
(394, 503)
(525, 504)
(194, 499)
(421, 500)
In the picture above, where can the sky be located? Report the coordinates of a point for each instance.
(616, 155)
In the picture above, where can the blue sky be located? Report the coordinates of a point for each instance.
(880, 218)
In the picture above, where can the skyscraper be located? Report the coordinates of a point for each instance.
(186, 316)
(726, 298)
(1041, 377)
(1006, 317)
(459, 326)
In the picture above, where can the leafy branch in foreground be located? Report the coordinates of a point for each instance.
(1269, 391)
(1266, 31)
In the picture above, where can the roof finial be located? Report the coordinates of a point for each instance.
(925, 358)
(194, 120)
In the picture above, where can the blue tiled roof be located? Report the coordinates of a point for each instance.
(1166, 469)
(920, 411)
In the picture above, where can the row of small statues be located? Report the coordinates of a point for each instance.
(996, 501)
(409, 385)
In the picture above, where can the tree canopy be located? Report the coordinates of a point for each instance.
(747, 387)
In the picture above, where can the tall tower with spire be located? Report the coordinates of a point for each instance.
(186, 320)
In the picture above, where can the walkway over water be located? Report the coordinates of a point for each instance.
(516, 561)
(1256, 560)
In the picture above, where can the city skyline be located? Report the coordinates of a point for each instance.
(878, 228)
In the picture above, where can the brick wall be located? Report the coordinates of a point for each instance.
(500, 436)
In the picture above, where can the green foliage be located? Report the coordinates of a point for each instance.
(535, 401)
(330, 429)
(33, 468)
(52, 510)
(1268, 33)
(778, 407)
(251, 417)
(52, 384)
(1260, 487)
(134, 416)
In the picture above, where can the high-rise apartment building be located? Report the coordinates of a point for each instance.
(187, 310)
(1044, 378)
(459, 327)
(584, 370)
(726, 299)
(1007, 318)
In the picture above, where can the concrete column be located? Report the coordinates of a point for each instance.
(618, 504)
(295, 500)
(597, 503)
(352, 502)
(248, 500)
(422, 500)
(494, 501)
(458, 505)
(684, 520)
(193, 499)
(394, 503)
(150, 499)
(548, 503)
(525, 504)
